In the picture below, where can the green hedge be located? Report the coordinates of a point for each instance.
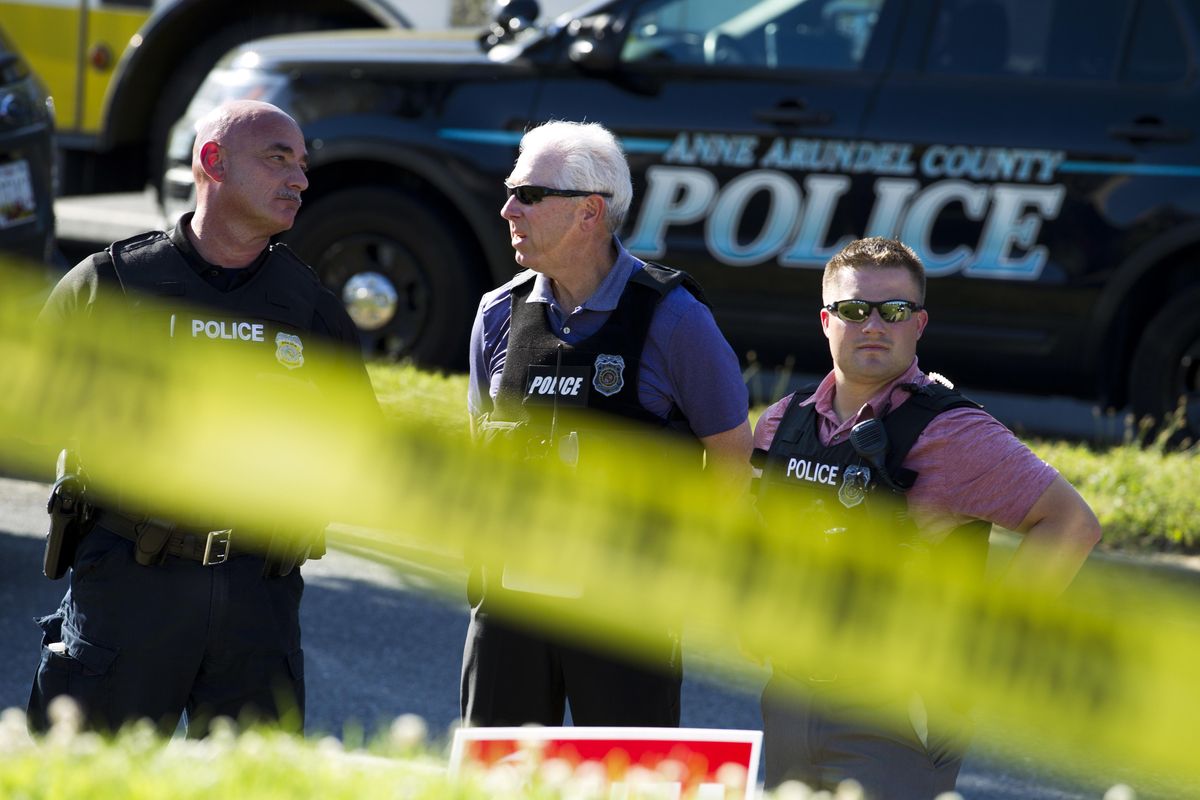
(264, 765)
(1147, 497)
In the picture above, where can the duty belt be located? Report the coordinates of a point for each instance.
(209, 548)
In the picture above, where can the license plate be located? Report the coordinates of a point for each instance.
(16, 194)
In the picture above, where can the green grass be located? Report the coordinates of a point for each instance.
(405, 391)
(1145, 495)
(263, 764)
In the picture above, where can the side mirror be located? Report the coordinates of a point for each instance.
(509, 17)
(595, 42)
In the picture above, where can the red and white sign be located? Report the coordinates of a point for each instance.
(618, 763)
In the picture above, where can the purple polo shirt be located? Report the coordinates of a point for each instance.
(686, 360)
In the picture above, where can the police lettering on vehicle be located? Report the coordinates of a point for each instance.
(1006, 189)
(228, 329)
(565, 385)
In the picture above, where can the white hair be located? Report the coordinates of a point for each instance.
(591, 160)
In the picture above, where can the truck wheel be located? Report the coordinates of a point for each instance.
(402, 271)
(1166, 365)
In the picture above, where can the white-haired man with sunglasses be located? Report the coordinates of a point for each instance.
(951, 471)
(587, 332)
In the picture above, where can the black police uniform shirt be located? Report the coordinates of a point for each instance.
(79, 294)
(79, 289)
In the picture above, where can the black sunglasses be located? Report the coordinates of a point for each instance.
(529, 195)
(859, 310)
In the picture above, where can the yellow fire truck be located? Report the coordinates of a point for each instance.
(122, 72)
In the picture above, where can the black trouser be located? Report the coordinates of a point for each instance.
(819, 738)
(131, 641)
(513, 676)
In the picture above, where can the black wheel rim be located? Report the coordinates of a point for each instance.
(383, 255)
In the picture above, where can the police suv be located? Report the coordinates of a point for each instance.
(1042, 156)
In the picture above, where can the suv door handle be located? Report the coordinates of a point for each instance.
(793, 115)
(1149, 132)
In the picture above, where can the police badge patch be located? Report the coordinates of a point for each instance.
(289, 350)
(855, 481)
(609, 377)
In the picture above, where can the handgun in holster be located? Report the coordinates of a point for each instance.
(70, 516)
(286, 551)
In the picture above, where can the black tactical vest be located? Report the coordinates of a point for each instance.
(831, 490)
(272, 312)
(544, 376)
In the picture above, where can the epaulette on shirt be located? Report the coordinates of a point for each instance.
(135, 242)
(282, 249)
(106, 271)
(664, 279)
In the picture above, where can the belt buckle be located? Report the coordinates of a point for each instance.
(216, 547)
(822, 677)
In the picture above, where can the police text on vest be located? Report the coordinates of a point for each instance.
(223, 329)
(565, 386)
(804, 470)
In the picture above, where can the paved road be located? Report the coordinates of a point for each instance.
(379, 644)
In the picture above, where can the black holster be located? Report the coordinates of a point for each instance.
(70, 517)
(151, 544)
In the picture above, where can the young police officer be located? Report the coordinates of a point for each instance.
(955, 468)
(165, 616)
(586, 327)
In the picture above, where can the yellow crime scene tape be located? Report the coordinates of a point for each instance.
(1094, 677)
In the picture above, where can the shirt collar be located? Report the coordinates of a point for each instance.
(607, 294)
(183, 244)
(885, 400)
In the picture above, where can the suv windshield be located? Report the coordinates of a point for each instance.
(820, 34)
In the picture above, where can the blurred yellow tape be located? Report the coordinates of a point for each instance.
(1105, 675)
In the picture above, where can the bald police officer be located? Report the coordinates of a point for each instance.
(165, 617)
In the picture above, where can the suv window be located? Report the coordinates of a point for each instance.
(1157, 53)
(1060, 39)
(772, 34)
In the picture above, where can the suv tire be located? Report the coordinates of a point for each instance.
(1166, 365)
(390, 233)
